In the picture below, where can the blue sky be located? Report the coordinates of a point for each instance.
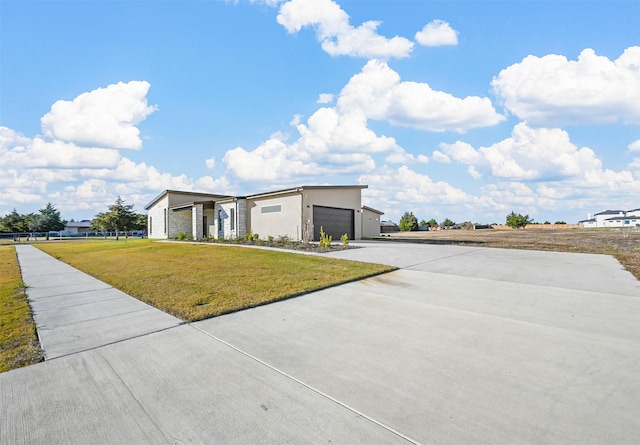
(458, 109)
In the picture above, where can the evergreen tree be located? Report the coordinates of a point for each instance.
(408, 222)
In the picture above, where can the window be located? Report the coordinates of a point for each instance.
(271, 209)
(232, 219)
(150, 225)
(165, 220)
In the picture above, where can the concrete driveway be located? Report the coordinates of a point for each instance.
(462, 345)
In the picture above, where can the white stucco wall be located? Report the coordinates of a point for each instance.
(370, 223)
(342, 198)
(265, 221)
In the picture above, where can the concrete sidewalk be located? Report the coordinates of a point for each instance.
(75, 312)
(462, 345)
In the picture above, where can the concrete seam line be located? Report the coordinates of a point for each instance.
(92, 348)
(437, 259)
(300, 382)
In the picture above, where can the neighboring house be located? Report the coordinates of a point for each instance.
(613, 218)
(298, 213)
(77, 228)
(388, 227)
(371, 221)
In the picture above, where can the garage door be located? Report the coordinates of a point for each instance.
(335, 222)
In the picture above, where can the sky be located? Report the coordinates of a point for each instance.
(466, 110)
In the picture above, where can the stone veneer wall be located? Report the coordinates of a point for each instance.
(179, 222)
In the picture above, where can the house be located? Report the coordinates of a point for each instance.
(298, 213)
(74, 228)
(388, 227)
(613, 218)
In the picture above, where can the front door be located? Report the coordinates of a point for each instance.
(205, 227)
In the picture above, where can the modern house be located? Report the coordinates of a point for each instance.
(77, 227)
(298, 213)
(613, 218)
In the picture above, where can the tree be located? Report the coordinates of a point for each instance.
(432, 223)
(14, 222)
(119, 217)
(516, 221)
(140, 222)
(408, 222)
(48, 220)
(447, 223)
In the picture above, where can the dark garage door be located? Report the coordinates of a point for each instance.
(335, 222)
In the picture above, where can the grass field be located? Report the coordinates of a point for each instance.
(197, 281)
(19, 344)
(624, 245)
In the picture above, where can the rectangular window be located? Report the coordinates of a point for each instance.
(232, 219)
(150, 225)
(165, 220)
(271, 209)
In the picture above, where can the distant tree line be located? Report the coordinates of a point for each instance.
(120, 217)
(409, 222)
(48, 219)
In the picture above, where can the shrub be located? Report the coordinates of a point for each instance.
(325, 240)
(344, 239)
(182, 236)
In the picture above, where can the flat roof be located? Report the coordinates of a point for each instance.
(214, 197)
(307, 187)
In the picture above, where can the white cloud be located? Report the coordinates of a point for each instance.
(634, 147)
(336, 35)
(325, 98)
(210, 163)
(38, 153)
(529, 154)
(408, 186)
(438, 156)
(338, 140)
(378, 91)
(554, 90)
(105, 117)
(437, 33)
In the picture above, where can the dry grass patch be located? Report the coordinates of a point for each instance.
(197, 281)
(19, 345)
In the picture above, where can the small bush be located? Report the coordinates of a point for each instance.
(182, 236)
(344, 239)
(325, 240)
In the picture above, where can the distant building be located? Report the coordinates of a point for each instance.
(613, 218)
(388, 227)
(77, 227)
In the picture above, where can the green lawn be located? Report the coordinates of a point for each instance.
(198, 281)
(19, 345)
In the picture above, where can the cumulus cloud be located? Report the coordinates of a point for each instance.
(338, 139)
(634, 147)
(380, 93)
(437, 33)
(325, 98)
(591, 89)
(529, 154)
(105, 117)
(76, 163)
(19, 152)
(336, 35)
